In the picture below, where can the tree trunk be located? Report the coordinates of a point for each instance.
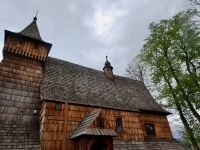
(184, 121)
(188, 129)
(194, 112)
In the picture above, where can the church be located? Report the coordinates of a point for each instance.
(52, 104)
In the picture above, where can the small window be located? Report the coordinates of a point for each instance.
(119, 127)
(100, 122)
(36, 46)
(58, 106)
(21, 42)
(150, 129)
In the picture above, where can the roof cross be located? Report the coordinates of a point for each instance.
(36, 14)
(35, 18)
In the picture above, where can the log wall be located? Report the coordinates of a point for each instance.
(59, 124)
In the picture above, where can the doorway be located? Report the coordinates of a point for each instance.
(98, 145)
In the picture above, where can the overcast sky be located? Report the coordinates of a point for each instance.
(84, 31)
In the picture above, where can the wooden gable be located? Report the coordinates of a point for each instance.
(96, 122)
(89, 126)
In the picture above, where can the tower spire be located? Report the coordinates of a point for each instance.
(35, 18)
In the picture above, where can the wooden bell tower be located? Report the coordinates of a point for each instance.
(20, 79)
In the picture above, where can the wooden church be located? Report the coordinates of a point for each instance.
(51, 104)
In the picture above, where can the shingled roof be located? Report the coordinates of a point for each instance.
(149, 144)
(32, 30)
(67, 82)
(83, 127)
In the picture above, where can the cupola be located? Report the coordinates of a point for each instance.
(108, 69)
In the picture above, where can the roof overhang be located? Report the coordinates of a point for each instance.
(164, 112)
(97, 132)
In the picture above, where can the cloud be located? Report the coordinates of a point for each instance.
(83, 32)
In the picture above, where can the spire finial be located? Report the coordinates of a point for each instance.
(35, 18)
(106, 57)
(36, 14)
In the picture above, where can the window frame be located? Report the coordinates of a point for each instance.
(150, 132)
(100, 122)
(58, 106)
(119, 124)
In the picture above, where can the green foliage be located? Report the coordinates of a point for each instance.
(172, 51)
(186, 143)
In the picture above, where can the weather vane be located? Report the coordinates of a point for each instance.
(36, 14)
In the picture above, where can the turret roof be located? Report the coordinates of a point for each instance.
(32, 30)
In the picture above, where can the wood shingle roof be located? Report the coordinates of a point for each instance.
(32, 30)
(149, 144)
(83, 127)
(67, 82)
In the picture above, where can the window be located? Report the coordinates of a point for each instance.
(100, 122)
(21, 42)
(119, 127)
(150, 129)
(36, 46)
(58, 106)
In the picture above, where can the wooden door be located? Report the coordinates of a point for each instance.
(98, 145)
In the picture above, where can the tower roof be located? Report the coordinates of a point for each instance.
(32, 30)
(107, 64)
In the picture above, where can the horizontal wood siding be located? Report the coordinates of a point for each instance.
(160, 122)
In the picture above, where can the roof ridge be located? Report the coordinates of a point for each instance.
(61, 60)
(32, 30)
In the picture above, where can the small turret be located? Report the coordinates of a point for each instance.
(108, 69)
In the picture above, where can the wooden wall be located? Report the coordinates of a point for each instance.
(19, 96)
(52, 124)
(25, 48)
(59, 124)
(160, 122)
(129, 119)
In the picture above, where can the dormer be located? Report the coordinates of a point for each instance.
(27, 43)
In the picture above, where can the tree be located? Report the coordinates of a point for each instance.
(172, 51)
(194, 6)
(137, 70)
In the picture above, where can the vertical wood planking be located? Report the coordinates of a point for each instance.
(65, 127)
(61, 123)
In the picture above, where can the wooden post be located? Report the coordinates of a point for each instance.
(65, 126)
